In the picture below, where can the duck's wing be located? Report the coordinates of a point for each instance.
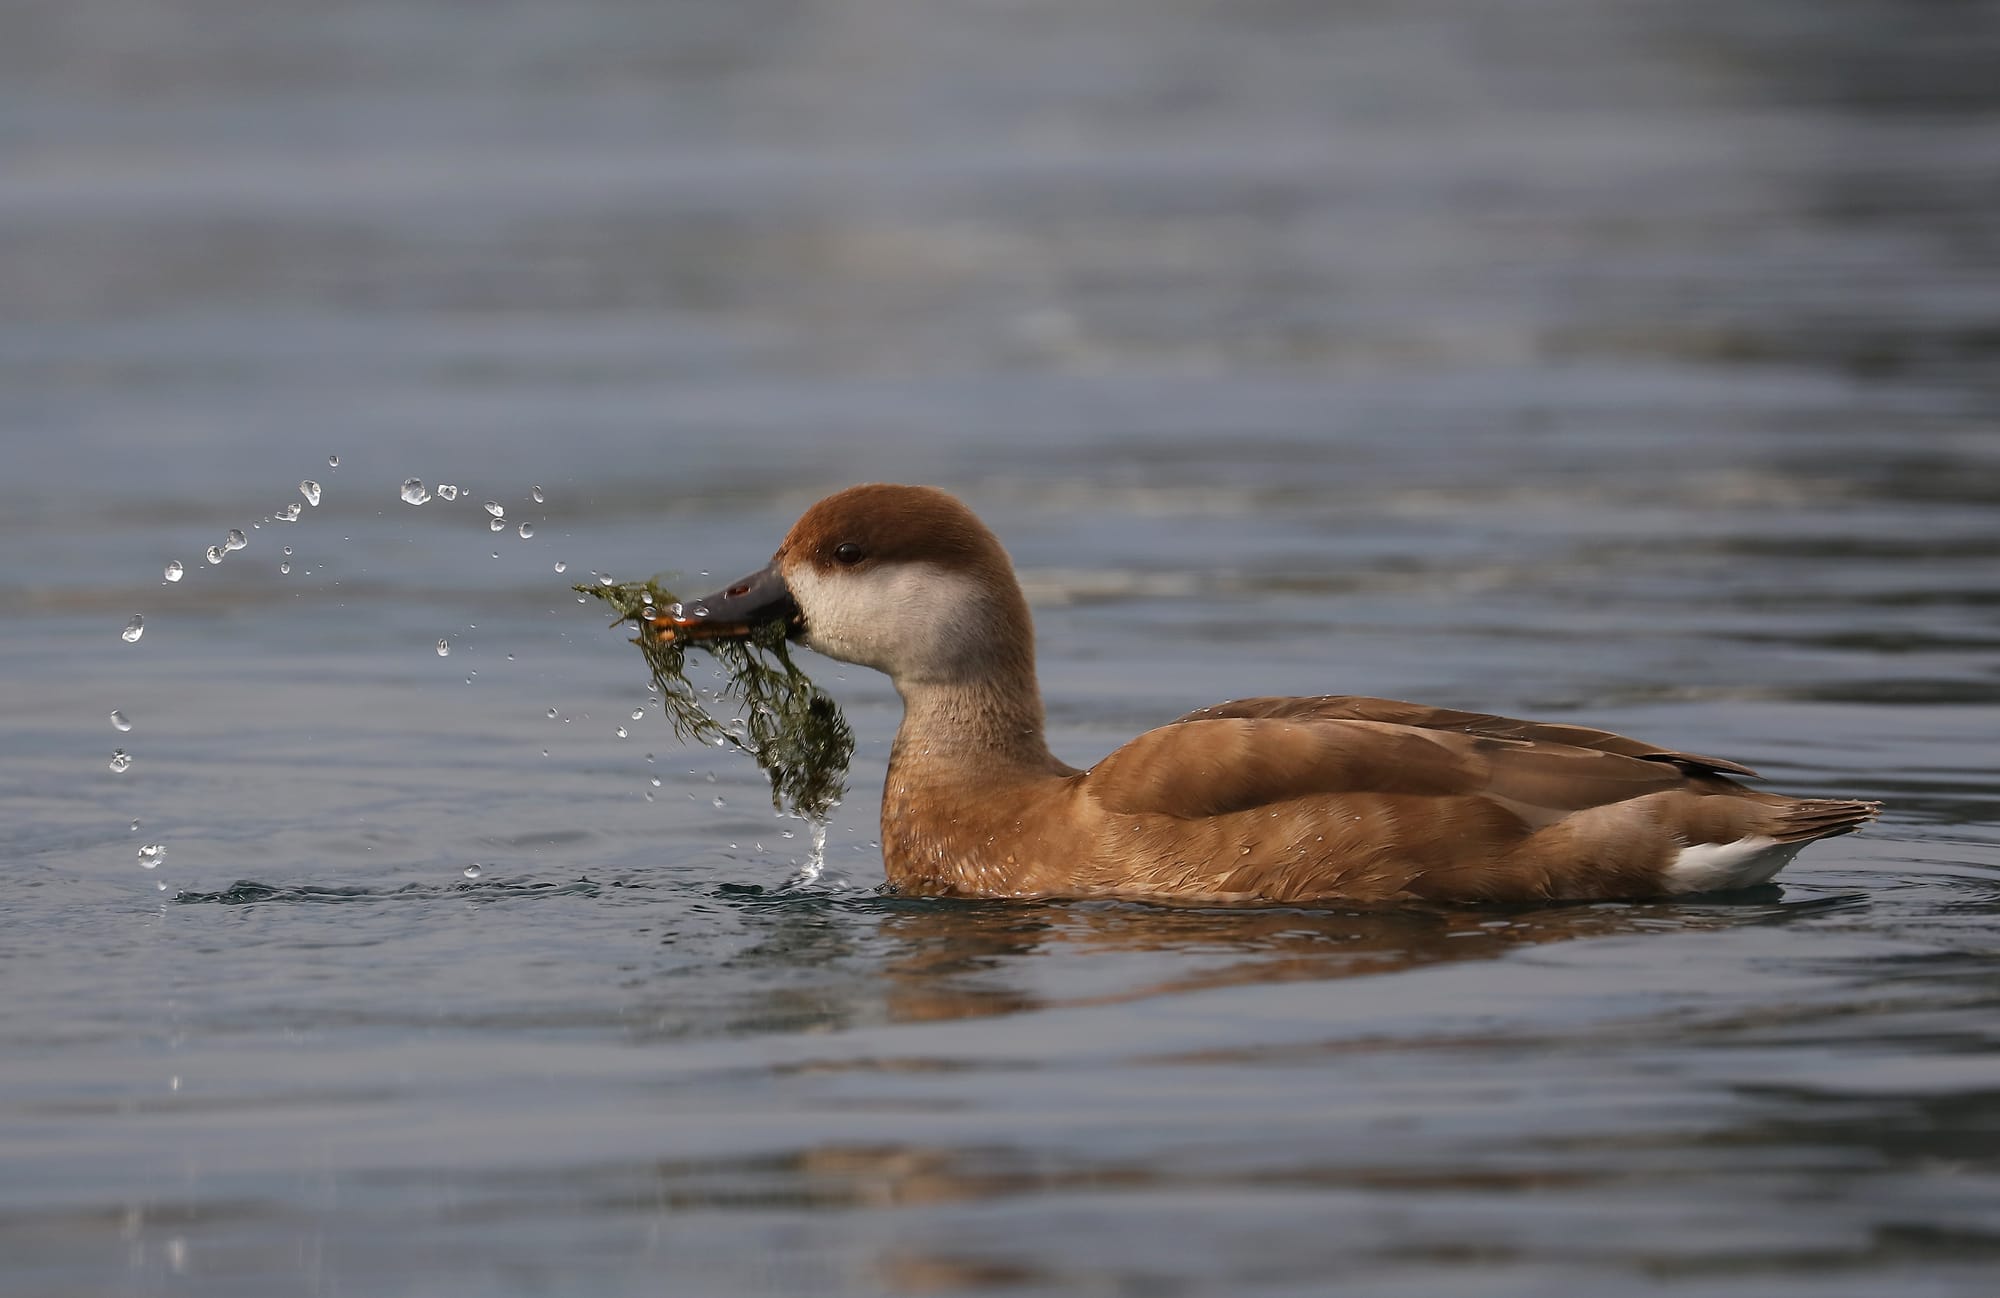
(1354, 707)
(1209, 765)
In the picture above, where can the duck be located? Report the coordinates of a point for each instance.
(1330, 799)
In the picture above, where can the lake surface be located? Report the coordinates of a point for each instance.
(1630, 363)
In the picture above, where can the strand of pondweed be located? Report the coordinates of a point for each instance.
(793, 730)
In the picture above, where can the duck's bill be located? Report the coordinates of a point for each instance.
(735, 612)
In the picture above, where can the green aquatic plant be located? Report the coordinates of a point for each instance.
(792, 729)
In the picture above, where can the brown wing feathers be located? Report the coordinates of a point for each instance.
(1354, 707)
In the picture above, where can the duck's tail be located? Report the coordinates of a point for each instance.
(1801, 820)
(1771, 840)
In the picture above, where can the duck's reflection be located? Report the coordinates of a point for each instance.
(955, 960)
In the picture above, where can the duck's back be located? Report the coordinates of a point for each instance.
(1340, 797)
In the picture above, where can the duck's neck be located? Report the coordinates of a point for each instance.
(992, 724)
(969, 765)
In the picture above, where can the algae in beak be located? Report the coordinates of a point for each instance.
(790, 727)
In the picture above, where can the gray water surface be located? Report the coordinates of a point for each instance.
(1628, 363)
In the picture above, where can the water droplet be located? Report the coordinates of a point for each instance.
(447, 492)
(174, 570)
(623, 734)
(604, 579)
(527, 530)
(285, 568)
(289, 514)
(310, 490)
(134, 629)
(721, 801)
(654, 781)
(649, 795)
(235, 540)
(444, 648)
(552, 714)
(537, 494)
(561, 566)
(333, 461)
(135, 826)
(121, 761)
(638, 714)
(649, 757)
(472, 871)
(495, 508)
(214, 554)
(288, 551)
(496, 524)
(413, 491)
(120, 722)
(710, 777)
(152, 854)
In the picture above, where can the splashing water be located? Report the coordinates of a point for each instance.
(814, 865)
(121, 761)
(174, 570)
(310, 490)
(152, 854)
(134, 629)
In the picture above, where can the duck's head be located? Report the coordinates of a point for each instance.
(902, 579)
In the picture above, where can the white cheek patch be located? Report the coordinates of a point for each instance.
(907, 618)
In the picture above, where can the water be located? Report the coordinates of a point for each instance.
(1620, 362)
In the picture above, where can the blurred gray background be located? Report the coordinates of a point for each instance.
(1627, 361)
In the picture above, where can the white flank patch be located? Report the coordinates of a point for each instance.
(1720, 867)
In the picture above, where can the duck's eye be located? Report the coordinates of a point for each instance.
(847, 552)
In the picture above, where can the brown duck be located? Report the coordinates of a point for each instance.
(1334, 798)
